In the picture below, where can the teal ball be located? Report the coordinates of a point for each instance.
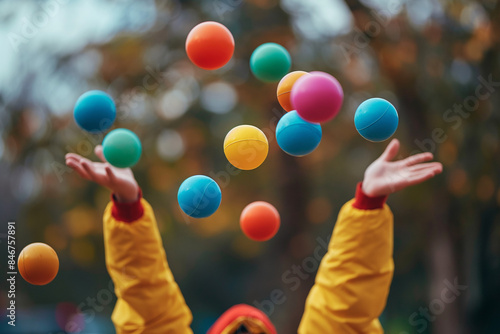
(270, 62)
(122, 148)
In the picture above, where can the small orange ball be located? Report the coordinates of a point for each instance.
(260, 221)
(38, 263)
(285, 88)
(210, 45)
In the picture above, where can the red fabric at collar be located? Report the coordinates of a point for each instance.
(241, 310)
(365, 202)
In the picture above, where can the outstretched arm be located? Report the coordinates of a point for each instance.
(352, 283)
(149, 300)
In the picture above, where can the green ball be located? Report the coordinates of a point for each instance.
(270, 62)
(122, 148)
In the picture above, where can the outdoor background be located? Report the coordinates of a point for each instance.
(430, 58)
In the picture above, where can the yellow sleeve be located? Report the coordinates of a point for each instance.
(149, 299)
(353, 280)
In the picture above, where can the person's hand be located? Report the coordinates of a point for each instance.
(120, 181)
(384, 177)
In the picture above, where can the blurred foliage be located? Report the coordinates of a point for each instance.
(425, 56)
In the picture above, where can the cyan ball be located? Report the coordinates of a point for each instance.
(122, 148)
(376, 119)
(270, 62)
(296, 136)
(95, 111)
(199, 196)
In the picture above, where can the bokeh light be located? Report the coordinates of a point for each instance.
(170, 145)
(82, 252)
(69, 318)
(24, 184)
(173, 104)
(218, 97)
(81, 221)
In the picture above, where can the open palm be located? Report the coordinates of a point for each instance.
(384, 176)
(120, 181)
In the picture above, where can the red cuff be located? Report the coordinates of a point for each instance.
(365, 202)
(127, 212)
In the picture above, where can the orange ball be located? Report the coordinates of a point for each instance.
(285, 88)
(210, 45)
(38, 263)
(260, 221)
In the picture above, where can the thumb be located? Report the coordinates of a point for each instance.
(391, 150)
(99, 152)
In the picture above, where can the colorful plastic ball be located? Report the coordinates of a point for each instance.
(376, 119)
(122, 148)
(210, 45)
(38, 263)
(199, 196)
(94, 111)
(296, 136)
(270, 62)
(246, 147)
(285, 89)
(260, 221)
(317, 97)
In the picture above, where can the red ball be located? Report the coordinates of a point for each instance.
(260, 221)
(210, 45)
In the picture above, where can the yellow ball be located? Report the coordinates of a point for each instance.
(246, 147)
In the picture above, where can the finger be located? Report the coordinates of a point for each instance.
(77, 167)
(425, 166)
(439, 169)
(419, 178)
(99, 152)
(75, 156)
(391, 150)
(110, 173)
(90, 171)
(417, 158)
(73, 159)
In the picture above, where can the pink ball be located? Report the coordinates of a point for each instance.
(317, 97)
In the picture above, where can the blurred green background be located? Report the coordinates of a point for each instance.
(430, 58)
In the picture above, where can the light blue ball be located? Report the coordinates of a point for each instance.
(376, 119)
(95, 111)
(296, 136)
(199, 196)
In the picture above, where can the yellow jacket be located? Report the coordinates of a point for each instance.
(349, 294)
(149, 300)
(354, 277)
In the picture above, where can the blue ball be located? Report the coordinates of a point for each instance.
(199, 196)
(95, 111)
(376, 119)
(296, 136)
